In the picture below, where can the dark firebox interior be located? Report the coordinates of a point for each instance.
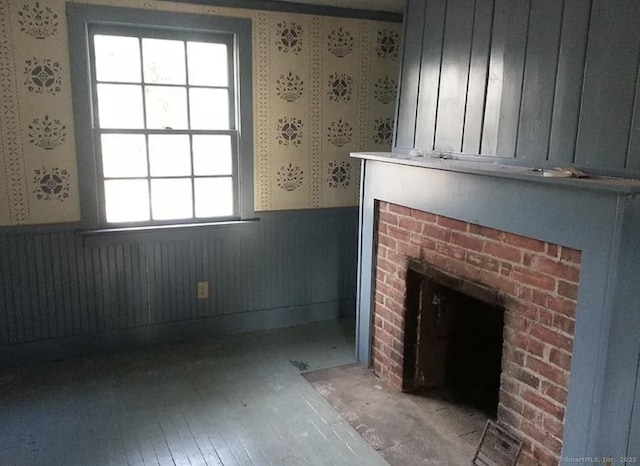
(453, 343)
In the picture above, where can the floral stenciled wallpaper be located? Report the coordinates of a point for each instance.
(323, 87)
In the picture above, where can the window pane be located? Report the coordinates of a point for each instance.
(212, 155)
(120, 106)
(207, 64)
(163, 61)
(124, 155)
(169, 155)
(117, 58)
(209, 108)
(171, 199)
(214, 197)
(166, 107)
(126, 200)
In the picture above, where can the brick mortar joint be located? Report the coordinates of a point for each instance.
(520, 397)
(385, 207)
(529, 439)
(501, 261)
(498, 242)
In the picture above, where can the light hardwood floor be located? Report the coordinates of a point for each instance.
(237, 400)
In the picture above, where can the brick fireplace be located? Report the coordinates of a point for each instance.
(499, 227)
(537, 285)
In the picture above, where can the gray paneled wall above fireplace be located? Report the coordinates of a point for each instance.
(552, 83)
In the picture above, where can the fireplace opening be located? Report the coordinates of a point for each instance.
(453, 339)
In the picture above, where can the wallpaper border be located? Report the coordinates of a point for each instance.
(262, 108)
(10, 121)
(315, 191)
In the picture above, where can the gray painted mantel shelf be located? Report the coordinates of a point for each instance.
(599, 216)
(489, 166)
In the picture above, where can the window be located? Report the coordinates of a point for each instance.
(169, 117)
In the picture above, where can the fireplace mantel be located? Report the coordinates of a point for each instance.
(488, 166)
(599, 216)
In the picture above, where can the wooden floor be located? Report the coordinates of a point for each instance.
(239, 400)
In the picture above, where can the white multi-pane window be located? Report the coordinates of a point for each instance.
(164, 112)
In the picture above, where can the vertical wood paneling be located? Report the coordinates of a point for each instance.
(155, 296)
(216, 258)
(168, 290)
(201, 270)
(30, 302)
(429, 88)
(15, 276)
(51, 289)
(633, 448)
(515, 51)
(610, 83)
(88, 292)
(554, 82)
(10, 301)
(129, 284)
(569, 80)
(62, 276)
(97, 318)
(78, 283)
(538, 90)
(93, 320)
(454, 74)
(182, 302)
(493, 98)
(172, 275)
(192, 278)
(111, 311)
(30, 266)
(7, 319)
(170, 283)
(633, 152)
(61, 273)
(119, 290)
(40, 320)
(478, 72)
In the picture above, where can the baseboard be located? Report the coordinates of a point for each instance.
(140, 337)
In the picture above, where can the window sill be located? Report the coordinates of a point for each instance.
(123, 235)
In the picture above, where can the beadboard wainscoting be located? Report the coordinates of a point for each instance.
(63, 293)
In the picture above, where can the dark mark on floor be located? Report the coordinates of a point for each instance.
(300, 365)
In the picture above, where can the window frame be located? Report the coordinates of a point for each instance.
(83, 22)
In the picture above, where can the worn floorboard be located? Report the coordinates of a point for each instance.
(238, 400)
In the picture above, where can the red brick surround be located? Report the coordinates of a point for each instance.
(538, 286)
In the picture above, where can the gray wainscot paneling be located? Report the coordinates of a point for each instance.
(634, 447)
(64, 294)
(600, 217)
(540, 82)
